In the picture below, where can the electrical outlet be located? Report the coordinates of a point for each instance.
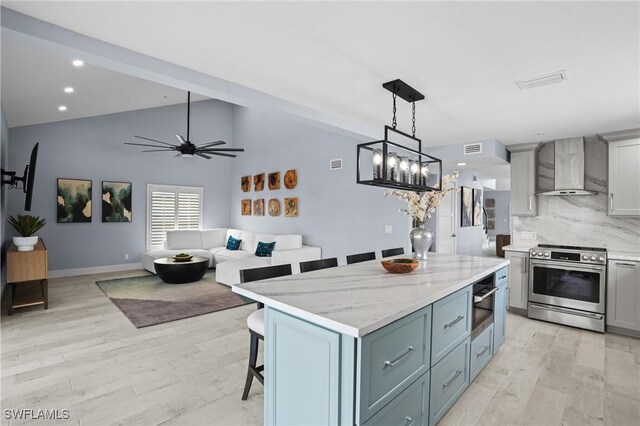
(126, 256)
(388, 229)
(528, 235)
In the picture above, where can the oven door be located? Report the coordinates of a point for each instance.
(567, 285)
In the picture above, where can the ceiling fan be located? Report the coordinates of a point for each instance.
(186, 147)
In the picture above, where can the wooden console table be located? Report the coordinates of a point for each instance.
(24, 267)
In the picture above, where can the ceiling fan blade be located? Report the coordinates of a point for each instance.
(208, 144)
(202, 155)
(153, 140)
(152, 146)
(181, 139)
(224, 149)
(159, 150)
(222, 155)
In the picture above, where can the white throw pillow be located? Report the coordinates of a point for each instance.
(288, 242)
(214, 238)
(184, 240)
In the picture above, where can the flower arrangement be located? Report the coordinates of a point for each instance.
(421, 207)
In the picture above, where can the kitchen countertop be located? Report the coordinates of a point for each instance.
(623, 255)
(521, 249)
(361, 298)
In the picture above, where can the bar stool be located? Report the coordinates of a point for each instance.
(361, 257)
(314, 265)
(255, 321)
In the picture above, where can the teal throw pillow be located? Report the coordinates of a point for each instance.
(264, 249)
(233, 243)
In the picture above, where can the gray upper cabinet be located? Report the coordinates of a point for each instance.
(518, 279)
(523, 180)
(624, 173)
(623, 294)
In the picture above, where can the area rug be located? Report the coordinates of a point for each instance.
(147, 300)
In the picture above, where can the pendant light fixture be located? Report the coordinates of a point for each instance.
(391, 164)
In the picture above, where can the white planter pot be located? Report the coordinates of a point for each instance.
(25, 243)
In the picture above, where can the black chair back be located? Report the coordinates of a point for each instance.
(314, 265)
(266, 272)
(362, 257)
(392, 252)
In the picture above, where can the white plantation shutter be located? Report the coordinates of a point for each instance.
(171, 207)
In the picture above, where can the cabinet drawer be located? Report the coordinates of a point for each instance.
(449, 379)
(481, 351)
(451, 323)
(390, 359)
(502, 277)
(410, 408)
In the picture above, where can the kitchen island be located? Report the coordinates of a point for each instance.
(358, 345)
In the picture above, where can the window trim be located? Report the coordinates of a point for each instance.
(170, 188)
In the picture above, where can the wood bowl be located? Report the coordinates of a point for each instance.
(400, 266)
(182, 258)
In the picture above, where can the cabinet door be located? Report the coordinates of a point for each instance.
(624, 178)
(523, 184)
(518, 279)
(623, 298)
(499, 317)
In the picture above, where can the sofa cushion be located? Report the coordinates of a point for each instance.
(213, 238)
(233, 243)
(248, 241)
(264, 249)
(235, 233)
(225, 255)
(184, 240)
(229, 272)
(288, 242)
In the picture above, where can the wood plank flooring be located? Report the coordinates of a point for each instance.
(85, 356)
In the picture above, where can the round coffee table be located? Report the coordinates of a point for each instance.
(172, 272)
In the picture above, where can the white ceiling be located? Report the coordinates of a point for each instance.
(464, 56)
(33, 80)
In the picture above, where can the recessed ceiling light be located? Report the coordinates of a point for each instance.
(68, 89)
(540, 133)
(462, 164)
(62, 108)
(78, 62)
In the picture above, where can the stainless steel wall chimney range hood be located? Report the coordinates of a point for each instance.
(565, 167)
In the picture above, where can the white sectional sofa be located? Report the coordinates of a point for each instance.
(211, 243)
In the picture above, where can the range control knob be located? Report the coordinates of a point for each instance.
(546, 254)
(585, 257)
(592, 258)
(539, 253)
(601, 258)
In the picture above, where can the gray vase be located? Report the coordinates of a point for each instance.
(421, 238)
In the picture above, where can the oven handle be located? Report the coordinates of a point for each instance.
(477, 299)
(566, 311)
(556, 265)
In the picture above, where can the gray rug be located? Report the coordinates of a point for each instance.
(147, 300)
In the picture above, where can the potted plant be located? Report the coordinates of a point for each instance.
(26, 225)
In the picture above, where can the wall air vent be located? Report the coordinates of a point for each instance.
(472, 148)
(475, 178)
(335, 164)
(543, 80)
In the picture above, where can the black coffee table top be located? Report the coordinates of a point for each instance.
(171, 261)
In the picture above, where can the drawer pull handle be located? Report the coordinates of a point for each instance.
(397, 360)
(502, 277)
(455, 376)
(454, 322)
(409, 420)
(482, 352)
(626, 264)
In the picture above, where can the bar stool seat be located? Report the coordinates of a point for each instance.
(255, 322)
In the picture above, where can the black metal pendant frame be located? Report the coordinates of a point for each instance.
(409, 94)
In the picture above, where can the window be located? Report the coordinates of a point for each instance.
(171, 207)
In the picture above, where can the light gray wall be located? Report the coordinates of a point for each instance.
(92, 148)
(336, 214)
(4, 146)
(503, 198)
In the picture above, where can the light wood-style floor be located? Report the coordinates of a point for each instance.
(85, 356)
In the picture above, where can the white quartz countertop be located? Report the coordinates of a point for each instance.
(361, 298)
(623, 255)
(522, 249)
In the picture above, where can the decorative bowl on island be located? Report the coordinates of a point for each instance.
(182, 257)
(400, 266)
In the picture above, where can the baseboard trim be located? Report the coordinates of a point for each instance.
(60, 273)
(623, 331)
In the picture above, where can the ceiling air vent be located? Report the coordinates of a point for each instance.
(543, 80)
(335, 164)
(472, 148)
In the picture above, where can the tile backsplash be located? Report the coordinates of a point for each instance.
(579, 221)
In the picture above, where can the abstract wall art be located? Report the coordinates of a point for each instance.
(274, 181)
(290, 179)
(258, 182)
(291, 207)
(274, 207)
(258, 207)
(116, 201)
(477, 207)
(245, 183)
(245, 208)
(467, 206)
(74, 200)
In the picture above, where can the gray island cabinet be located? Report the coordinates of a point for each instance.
(355, 345)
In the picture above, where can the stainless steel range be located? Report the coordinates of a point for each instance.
(567, 285)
